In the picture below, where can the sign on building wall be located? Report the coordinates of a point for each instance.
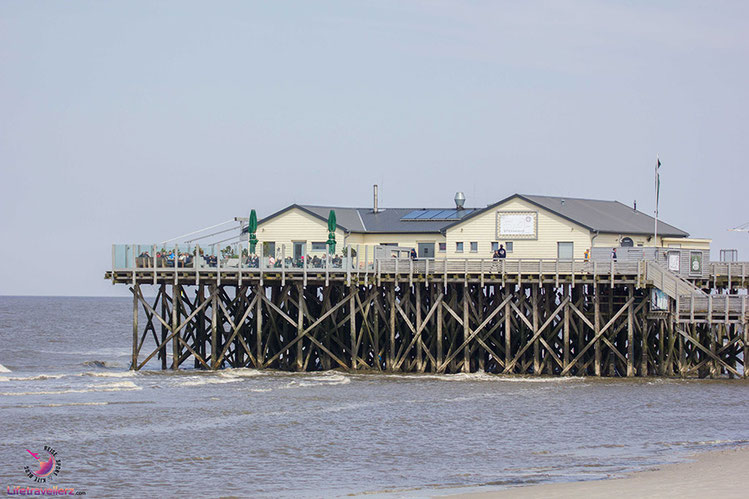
(517, 224)
(695, 262)
(673, 261)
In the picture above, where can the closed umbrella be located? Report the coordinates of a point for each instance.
(252, 228)
(331, 232)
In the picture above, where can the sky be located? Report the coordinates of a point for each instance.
(134, 121)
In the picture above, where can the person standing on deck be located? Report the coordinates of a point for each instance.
(413, 254)
(501, 251)
(613, 254)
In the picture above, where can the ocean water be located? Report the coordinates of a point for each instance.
(64, 383)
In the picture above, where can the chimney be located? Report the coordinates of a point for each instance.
(562, 201)
(460, 200)
(635, 208)
(374, 208)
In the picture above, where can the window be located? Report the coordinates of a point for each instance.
(269, 248)
(388, 244)
(474, 246)
(318, 246)
(565, 250)
(459, 247)
(508, 246)
(443, 247)
(495, 246)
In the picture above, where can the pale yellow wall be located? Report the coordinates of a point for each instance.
(687, 243)
(613, 240)
(296, 225)
(551, 229)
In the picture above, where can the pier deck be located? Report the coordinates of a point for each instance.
(552, 317)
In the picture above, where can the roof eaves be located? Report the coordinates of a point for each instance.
(557, 213)
(477, 212)
(302, 208)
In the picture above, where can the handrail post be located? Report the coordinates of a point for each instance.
(283, 264)
(556, 271)
(155, 263)
(135, 264)
(218, 265)
(305, 264)
(520, 271)
(196, 268)
(444, 273)
(348, 266)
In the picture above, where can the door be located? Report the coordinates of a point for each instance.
(565, 251)
(426, 250)
(299, 251)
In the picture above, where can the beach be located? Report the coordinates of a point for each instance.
(706, 474)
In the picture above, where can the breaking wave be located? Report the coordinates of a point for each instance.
(120, 386)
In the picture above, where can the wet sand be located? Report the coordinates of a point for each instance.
(709, 474)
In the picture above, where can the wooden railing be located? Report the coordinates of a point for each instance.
(715, 307)
(734, 272)
(668, 282)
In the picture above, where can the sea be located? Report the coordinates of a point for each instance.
(66, 390)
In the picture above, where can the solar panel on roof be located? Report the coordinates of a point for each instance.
(436, 215)
(412, 215)
(428, 214)
(442, 215)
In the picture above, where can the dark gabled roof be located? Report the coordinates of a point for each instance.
(593, 214)
(346, 218)
(386, 221)
(306, 210)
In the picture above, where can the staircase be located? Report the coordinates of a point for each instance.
(668, 282)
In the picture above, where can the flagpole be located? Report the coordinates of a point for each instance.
(657, 188)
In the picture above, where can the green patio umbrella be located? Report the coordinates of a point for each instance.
(331, 232)
(252, 229)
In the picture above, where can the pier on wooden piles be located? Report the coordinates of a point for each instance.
(531, 317)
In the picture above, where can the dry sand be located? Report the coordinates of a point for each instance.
(723, 474)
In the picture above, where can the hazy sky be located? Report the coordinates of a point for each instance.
(138, 121)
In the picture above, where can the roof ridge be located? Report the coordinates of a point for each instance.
(380, 208)
(571, 198)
